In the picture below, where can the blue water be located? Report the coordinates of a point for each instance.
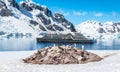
(22, 44)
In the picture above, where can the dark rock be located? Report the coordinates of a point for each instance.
(34, 22)
(58, 16)
(5, 12)
(2, 33)
(47, 12)
(101, 30)
(72, 28)
(2, 4)
(61, 19)
(48, 21)
(57, 27)
(42, 28)
(31, 6)
(14, 3)
(50, 27)
(111, 30)
(43, 19)
(26, 6)
(62, 55)
(117, 26)
(37, 7)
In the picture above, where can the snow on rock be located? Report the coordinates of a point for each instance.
(30, 18)
(99, 30)
(46, 21)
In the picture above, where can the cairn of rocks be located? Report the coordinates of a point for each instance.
(62, 55)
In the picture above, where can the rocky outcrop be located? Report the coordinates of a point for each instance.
(47, 18)
(101, 30)
(34, 22)
(62, 55)
(2, 33)
(31, 6)
(27, 7)
(61, 19)
(13, 3)
(5, 12)
(42, 28)
(57, 27)
(2, 4)
(43, 19)
(50, 27)
(47, 12)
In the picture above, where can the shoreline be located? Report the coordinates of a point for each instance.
(11, 61)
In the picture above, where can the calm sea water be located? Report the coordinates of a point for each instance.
(31, 44)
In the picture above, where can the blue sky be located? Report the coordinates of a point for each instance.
(78, 11)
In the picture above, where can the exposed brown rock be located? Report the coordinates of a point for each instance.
(62, 55)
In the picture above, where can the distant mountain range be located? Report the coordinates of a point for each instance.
(96, 29)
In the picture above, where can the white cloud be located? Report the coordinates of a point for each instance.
(79, 13)
(97, 14)
(63, 12)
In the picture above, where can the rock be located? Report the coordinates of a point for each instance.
(101, 30)
(5, 12)
(62, 55)
(26, 6)
(57, 27)
(47, 12)
(14, 3)
(34, 22)
(31, 6)
(61, 19)
(2, 33)
(42, 28)
(2, 4)
(50, 27)
(43, 19)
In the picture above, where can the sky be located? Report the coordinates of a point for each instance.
(78, 11)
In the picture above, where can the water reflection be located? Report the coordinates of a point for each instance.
(17, 44)
(21, 44)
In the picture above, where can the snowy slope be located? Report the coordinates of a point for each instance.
(13, 21)
(13, 25)
(44, 18)
(97, 30)
(30, 18)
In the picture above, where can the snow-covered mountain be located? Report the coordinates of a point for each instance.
(30, 18)
(96, 29)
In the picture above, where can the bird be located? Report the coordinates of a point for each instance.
(83, 48)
